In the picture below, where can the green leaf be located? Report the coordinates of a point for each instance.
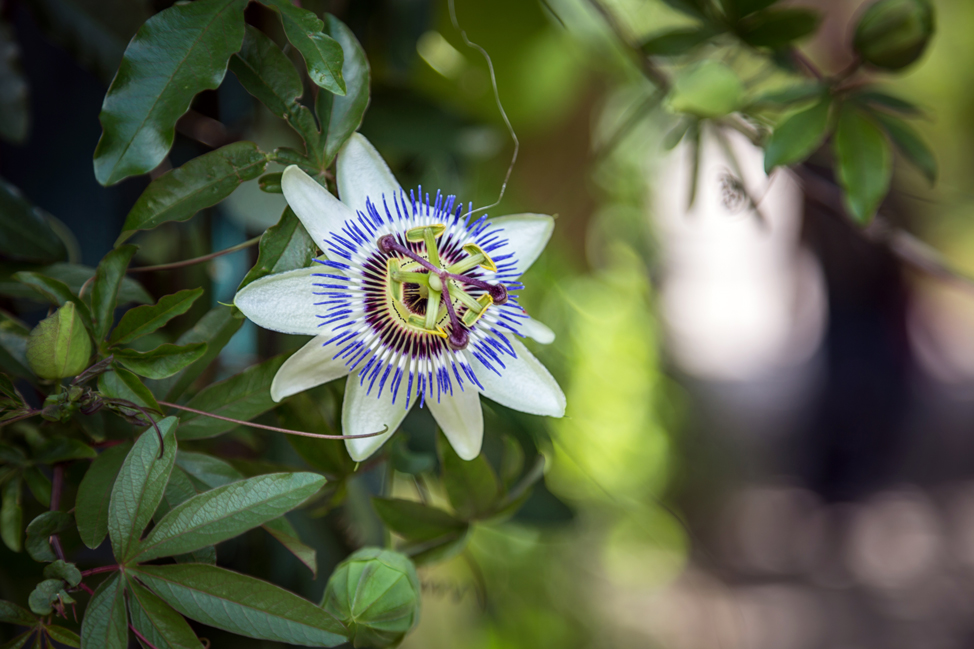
(226, 512)
(161, 362)
(271, 183)
(63, 636)
(287, 536)
(39, 485)
(268, 74)
(25, 230)
(879, 99)
(14, 92)
(105, 625)
(139, 487)
(910, 144)
(11, 613)
(41, 529)
(798, 136)
(143, 320)
(776, 28)
(13, 347)
(179, 489)
(104, 290)
(241, 604)
(122, 384)
(12, 514)
(158, 622)
(56, 292)
(215, 329)
(470, 485)
(19, 641)
(340, 116)
(677, 41)
(63, 449)
(94, 494)
(63, 570)
(45, 594)
(285, 246)
(208, 471)
(243, 397)
(204, 181)
(512, 461)
(415, 521)
(781, 97)
(746, 7)
(322, 54)
(177, 53)
(864, 163)
(74, 276)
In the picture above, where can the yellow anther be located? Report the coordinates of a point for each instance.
(420, 323)
(476, 257)
(471, 316)
(415, 235)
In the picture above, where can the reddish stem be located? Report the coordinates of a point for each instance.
(95, 571)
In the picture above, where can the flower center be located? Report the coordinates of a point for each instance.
(434, 294)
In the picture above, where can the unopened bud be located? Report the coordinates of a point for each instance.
(59, 346)
(892, 34)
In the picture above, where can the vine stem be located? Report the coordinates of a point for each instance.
(96, 571)
(286, 431)
(197, 260)
(142, 638)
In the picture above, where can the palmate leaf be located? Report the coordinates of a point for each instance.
(226, 512)
(240, 604)
(177, 53)
(105, 625)
(340, 116)
(322, 53)
(139, 487)
(143, 320)
(158, 622)
(94, 493)
(284, 246)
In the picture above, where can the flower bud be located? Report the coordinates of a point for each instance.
(376, 594)
(59, 346)
(893, 33)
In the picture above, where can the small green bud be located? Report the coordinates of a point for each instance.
(376, 594)
(892, 34)
(709, 89)
(59, 346)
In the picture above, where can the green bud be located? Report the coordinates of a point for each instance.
(892, 34)
(709, 89)
(59, 346)
(376, 594)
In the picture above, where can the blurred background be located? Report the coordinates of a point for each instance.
(769, 439)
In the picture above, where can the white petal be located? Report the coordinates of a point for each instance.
(526, 234)
(320, 212)
(462, 420)
(362, 173)
(524, 384)
(364, 413)
(283, 302)
(311, 365)
(537, 330)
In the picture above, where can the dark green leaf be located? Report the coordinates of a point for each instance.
(778, 27)
(202, 182)
(122, 384)
(676, 41)
(25, 231)
(693, 8)
(790, 95)
(438, 549)
(56, 292)
(75, 276)
(39, 485)
(470, 485)
(179, 489)
(14, 93)
(864, 163)
(415, 521)
(746, 7)
(878, 99)
(287, 536)
(104, 290)
(322, 54)
(63, 636)
(268, 74)
(404, 460)
(512, 461)
(19, 641)
(340, 116)
(241, 604)
(143, 320)
(62, 449)
(798, 136)
(94, 493)
(13, 347)
(910, 144)
(45, 595)
(203, 555)
(39, 532)
(226, 512)
(285, 246)
(215, 329)
(177, 53)
(161, 362)
(139, 487)
(158, 622)
(63, 570)
(11, 613)
(271, 183)
(105, 625)
(243, 397)
(12, 513)
(208, 471)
